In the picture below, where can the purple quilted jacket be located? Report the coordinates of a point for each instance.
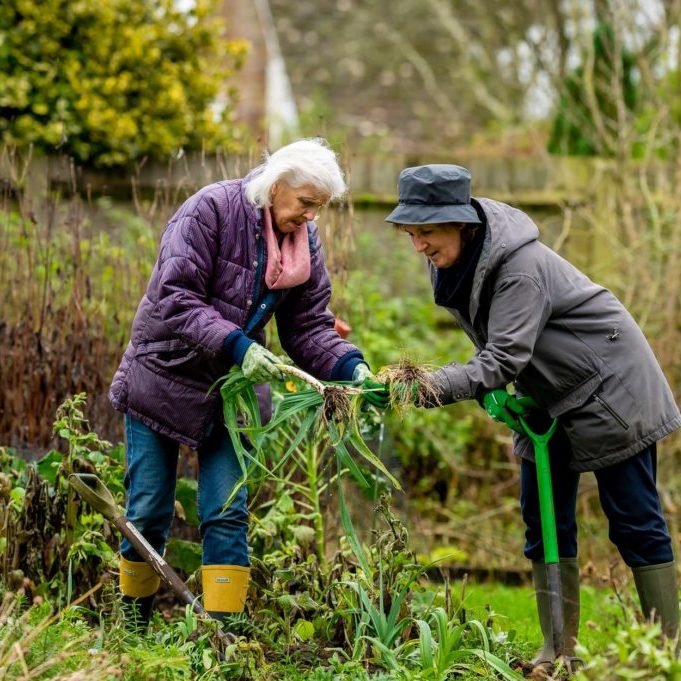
(206, 284)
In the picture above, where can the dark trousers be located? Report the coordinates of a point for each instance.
(628, 496)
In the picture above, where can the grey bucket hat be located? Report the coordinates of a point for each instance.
(434, 194)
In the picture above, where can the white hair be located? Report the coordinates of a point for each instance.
(307, 161)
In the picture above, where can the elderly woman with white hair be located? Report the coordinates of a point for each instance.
(235, 254)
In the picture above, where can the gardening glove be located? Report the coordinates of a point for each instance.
(507, 408)
(259, 364)
(361, 373)
(376, 394)
(373, 391)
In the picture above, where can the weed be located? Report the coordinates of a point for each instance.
(637, 651)
(409, 383)
(53, 541)
(328, 421)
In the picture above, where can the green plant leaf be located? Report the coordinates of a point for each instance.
(356, 440)
(183, 554)
(48, 466)
(497, 664)
(304, 630)
(353, 540)
(345, 459)
(425, 645)
(186, 491)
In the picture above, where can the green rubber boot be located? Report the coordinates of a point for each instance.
(569, 581)
(659, 595)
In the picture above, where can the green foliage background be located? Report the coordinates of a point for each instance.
(110, 81)
(575, 132)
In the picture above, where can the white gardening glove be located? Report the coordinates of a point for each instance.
(260, 365)
(361, 373)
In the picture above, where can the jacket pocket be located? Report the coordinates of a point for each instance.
(166, 353)
(602, 424)
(577, 396)
(173, 405)
(600, 400)
(180, 362)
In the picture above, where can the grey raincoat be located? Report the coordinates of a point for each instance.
(540, 323)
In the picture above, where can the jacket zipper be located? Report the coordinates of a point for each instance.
(611, 411)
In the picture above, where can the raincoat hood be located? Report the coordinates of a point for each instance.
(507, 230)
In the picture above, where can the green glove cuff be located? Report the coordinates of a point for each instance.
(504, 408)
(376, 400)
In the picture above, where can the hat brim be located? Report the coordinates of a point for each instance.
(424, 214)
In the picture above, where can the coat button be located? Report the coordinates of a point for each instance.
(263, 306)
(257, 235)
(255, 263)
(249, 302)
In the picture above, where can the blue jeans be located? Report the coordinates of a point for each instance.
(150, 483)
(628, 496)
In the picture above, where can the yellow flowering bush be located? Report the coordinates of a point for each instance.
(111, 81)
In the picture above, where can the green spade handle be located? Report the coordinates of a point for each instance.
(546, 509)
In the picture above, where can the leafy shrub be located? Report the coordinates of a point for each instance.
(110, 81)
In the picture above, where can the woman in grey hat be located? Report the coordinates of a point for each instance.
(541, 324)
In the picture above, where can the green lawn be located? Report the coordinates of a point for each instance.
(601, 613)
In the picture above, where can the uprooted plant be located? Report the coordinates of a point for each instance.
(327, 413)
(409, 383)
(315, 424)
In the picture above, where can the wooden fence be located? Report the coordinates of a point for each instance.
(526, 181)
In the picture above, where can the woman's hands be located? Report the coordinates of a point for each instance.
(260, 365)
(373, 392)
(507, 408)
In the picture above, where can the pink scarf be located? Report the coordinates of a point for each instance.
(288, 264)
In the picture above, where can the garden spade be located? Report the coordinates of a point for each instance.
(93, 490)
(540, 442)
(548, 530)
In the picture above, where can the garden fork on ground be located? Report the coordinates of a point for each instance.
(95, 492)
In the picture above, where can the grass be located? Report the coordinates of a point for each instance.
(108, 652)
(600, 619)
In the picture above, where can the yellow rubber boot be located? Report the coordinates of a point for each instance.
(137, 580)
(139, 583)
(224, 589)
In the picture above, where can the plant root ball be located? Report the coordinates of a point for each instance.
(409, 384)
(337, 406)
